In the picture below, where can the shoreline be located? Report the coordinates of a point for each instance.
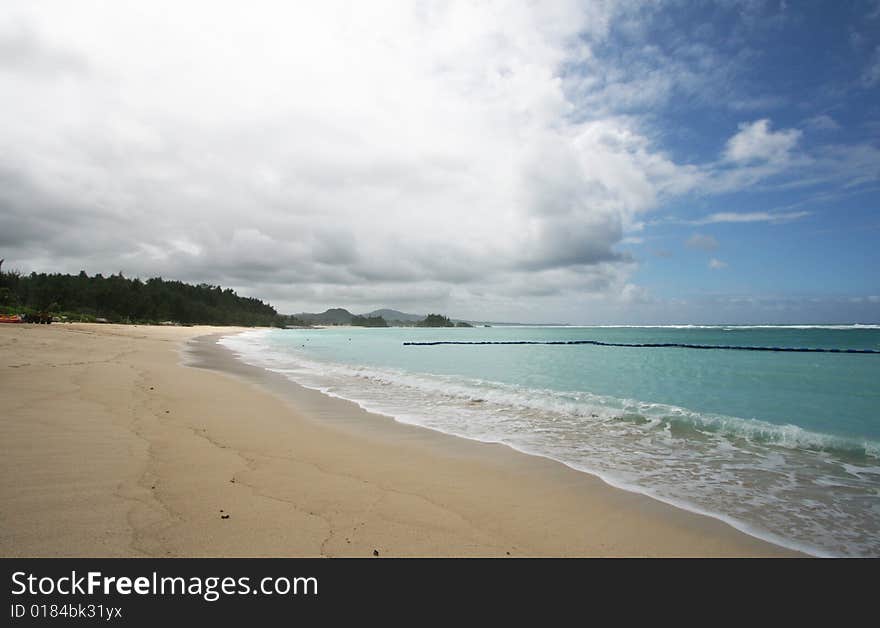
(367, 420)
(112, 447)
(364, 421)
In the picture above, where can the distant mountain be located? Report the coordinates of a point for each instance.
(333, 316)
(341, 316)
(395, 315)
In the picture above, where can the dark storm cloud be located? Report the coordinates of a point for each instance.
(33, 220)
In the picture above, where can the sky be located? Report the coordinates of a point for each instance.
(583, 162)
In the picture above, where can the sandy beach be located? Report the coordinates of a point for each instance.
(112, 446)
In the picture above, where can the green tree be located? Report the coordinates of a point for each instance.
(436, 320)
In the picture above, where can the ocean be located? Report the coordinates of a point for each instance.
(782, 445)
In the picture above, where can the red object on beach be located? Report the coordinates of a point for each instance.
(15, 318)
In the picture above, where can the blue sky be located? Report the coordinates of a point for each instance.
(806, 67)
(604, 161)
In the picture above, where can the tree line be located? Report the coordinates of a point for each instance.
(438, 320)
(120, 299)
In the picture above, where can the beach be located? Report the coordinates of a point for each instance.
(155, 441)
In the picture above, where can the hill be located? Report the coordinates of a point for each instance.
(380, 318)
(333, 316)
(341, 316)
(396, 315)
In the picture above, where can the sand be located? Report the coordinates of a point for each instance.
(111, 446)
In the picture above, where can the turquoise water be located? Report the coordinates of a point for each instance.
(785, 446)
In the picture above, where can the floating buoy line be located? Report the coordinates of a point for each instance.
(652, 345)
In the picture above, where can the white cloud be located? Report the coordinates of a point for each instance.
(704, 242)
(23, 51)
(758, 155)
(756, 142)
(717, 264)
(330, 149)
(823, 122)
(774, 218)
(343, 153)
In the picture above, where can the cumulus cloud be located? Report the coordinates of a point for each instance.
(477, 157)
(327, 154)
(756, 142)
(717, 264)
